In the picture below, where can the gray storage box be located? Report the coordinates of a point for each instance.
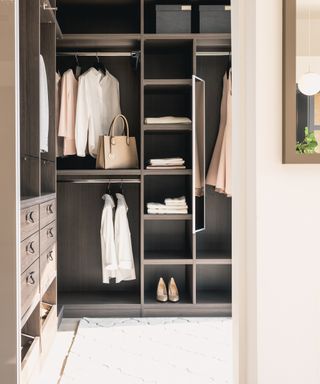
(215, 18)
(173, 18)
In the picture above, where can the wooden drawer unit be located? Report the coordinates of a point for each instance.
(30, 355)
(49, 326)
(30, 283)
(48, 268)
(29, 251)
(29, 218)
(47, 213)
(47, 237)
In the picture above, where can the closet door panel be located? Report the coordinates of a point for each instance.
(198, 154)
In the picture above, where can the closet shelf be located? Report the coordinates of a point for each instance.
(168, 257)
(167, 172)
(90, 298)
(213, 297)
(168, 83)
(98, 172)
(96, 41)
(168, 217)
(214, 257)
(168, 262)
(205, 39)
(167, 127)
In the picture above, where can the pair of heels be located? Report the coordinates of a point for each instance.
(172, 294)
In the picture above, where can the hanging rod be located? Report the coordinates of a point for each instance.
(101, 181)
(214, 53)
(101, 54)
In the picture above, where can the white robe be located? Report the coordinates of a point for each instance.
(108, 250)
(126, 270)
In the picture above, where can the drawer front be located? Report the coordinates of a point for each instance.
(48, 268)
(30, 365)
(47, 213)
(29, 218)
(47, 237)
(30, 283)
(29, 251)
(49, 330)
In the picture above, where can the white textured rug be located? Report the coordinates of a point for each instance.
(151, 351)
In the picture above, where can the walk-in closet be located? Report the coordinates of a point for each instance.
(159, 75)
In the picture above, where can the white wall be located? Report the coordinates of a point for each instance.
(287, 229)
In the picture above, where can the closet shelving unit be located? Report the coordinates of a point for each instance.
(163, 245)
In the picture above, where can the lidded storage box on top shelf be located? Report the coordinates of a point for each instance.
(215, 18)
(173, 18)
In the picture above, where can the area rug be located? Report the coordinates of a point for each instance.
(151, 351)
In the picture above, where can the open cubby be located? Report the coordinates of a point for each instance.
(183, 275)
(168, 144)
(160, 187)
(79, 267)
(48, 182)
(168, 59)
(213, 284)
(150, 12)
(167, 101)
(167, 240)
(123, 69)
(115, 16)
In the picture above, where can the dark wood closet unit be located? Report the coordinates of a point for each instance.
(160, 84)
(61, 198)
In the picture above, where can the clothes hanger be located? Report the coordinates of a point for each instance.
(121, 187)
(77, 70)
(99, 66)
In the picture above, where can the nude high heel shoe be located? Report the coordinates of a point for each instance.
(162, 294)
(173, 291)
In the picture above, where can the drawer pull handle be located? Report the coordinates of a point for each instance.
(29, 248)
(49, 256)
(49, 209)
(29, 217)
(30, 279)
(49, 232)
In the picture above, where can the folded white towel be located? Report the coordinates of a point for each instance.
(166, 207)
(160, 167)
(167, 120)
(167, 161)
(176, 201)
(166, 212)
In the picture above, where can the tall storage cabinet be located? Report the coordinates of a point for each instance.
(38, 251)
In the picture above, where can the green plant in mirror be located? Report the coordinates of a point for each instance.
(309, 143)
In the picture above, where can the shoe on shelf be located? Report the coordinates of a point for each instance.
(173, 291)
(162, 294)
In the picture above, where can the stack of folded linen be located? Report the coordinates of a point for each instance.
(167, 163)
(167, 120)
(173, 206)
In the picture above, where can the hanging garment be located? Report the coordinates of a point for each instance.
(59, 140)
(108, 250)
(126, 270)
(44, 107)
(68, 104)
(219, 173)
(97, 105)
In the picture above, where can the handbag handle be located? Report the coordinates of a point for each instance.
(126, 128)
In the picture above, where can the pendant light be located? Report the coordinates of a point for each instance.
(309, 83)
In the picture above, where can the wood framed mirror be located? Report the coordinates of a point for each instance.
(301, 81)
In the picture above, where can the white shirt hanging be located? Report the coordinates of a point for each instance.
(97, 105)
(108, 250)
(123, 243)
(44, 107)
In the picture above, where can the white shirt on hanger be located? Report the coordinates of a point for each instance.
(97, 105)
(123, 243)
(108, 250)
(44, 107)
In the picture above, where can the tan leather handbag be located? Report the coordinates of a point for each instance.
(117, 152)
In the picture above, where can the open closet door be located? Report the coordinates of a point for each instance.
(198, 154)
